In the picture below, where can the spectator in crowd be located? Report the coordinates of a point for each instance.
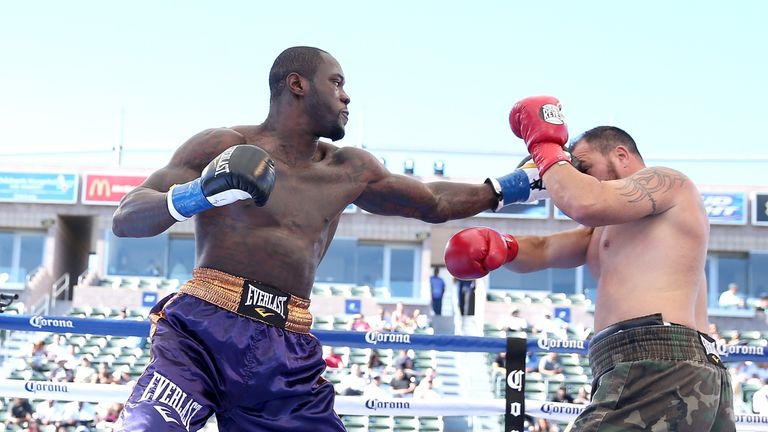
(48, 412)
(740, 405)
(418, 320)
(515, 322)
(561, 395)
(359, 323)
(399, 319)
(123, 376)
(58, 347)
(550, 364)
(103, 374)
(62, 372)
(352, 383)
(554, 327)
(87, 415)
(84, 372)
(107, 413)
(760, 400)
(431, 374)
(762, 304)
(404, 360)
(531, 362)
(376, 389)
(437, 286)
(39, 357)
(426, 389)
(380, 321)
(582, 396)
(499, 365)
(714, 333)
(21, 413)
(466, 294)
(729, 299)
(374, 362)
(332, 359)
(402, 384)
(543, 425)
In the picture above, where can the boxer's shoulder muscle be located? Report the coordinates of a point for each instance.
(661, 188)
(204, 146)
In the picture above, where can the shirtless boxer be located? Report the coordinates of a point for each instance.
(267, 198)
(644, 238)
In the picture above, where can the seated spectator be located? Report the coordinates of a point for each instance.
(352, 383)
(360, 324)
(426, 390)
(62, 372)
(332, 359)
(21, 413)
(123, 376)
(107, 413)
(374, 363)
(86, 415)
(550, 364)
(400, 321)
(380, 321)
(418, 320)
(582, 396)
(58, 347)
(376, 389)
(48, 412)
(404, 360)
(515, 322)
(84, 372)
(499, 365)
(531, 362)
(562, 396)
(729, 299)
(402, 384)
(760, 400)
(543, 425)
(762, 304)
(554, 327)
(39, 357)
(103, 374)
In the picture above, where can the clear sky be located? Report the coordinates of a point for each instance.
(427, 79)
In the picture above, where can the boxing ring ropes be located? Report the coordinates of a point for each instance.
(513, 407)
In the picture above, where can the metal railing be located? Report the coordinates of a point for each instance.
(61, 285)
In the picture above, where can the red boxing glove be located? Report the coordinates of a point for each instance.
(539, 122)
(473, 252)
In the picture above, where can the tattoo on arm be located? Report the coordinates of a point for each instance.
(643, 185)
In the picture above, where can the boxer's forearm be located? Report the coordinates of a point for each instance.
(142, 213)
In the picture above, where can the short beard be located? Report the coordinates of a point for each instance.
(316, 110)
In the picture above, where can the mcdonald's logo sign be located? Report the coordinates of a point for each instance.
(108, 189)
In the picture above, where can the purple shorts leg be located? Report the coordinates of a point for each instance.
(252, 375)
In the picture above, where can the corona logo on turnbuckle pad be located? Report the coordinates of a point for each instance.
(264, 303)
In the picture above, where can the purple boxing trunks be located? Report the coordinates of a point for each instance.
(234, 348)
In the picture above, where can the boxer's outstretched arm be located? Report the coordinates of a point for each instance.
(143, 212)
(565, 249)
(398, 195)
(592, 202)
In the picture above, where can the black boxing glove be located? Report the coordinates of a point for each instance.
(240, 172)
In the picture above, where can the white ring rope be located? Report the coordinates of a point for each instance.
(345, 405)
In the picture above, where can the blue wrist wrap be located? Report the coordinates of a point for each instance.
(515, 187)
(188, 199)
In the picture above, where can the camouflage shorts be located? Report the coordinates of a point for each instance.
(656, 378)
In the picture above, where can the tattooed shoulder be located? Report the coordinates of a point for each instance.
(647, 184)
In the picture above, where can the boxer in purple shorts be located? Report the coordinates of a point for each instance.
(267, 200)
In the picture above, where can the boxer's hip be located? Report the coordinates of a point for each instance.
(649, 338)
(250, 299)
